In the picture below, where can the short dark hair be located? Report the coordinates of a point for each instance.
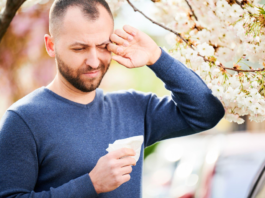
(88, 7)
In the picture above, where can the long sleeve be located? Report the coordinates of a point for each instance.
(191, 108)
(19, 166)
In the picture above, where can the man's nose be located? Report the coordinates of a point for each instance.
(92, 58)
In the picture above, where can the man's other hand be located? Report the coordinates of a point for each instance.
(112, 170)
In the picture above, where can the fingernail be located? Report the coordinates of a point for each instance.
(130, 38)
(125, 44)
(119, 49)
(133, 33)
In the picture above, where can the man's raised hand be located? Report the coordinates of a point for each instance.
(133, 48)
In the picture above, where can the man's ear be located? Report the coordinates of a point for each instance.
(49, 44)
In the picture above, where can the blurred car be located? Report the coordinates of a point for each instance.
(207, 166)
(258, 185)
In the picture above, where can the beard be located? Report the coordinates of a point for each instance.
(74, 76)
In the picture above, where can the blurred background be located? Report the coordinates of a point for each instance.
(220, 163)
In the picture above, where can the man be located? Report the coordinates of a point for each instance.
(53, 141)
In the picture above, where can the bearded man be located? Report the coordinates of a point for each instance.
(53, 141)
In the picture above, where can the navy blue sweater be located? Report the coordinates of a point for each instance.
(49, 144)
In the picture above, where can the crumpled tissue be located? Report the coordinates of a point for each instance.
(134, 142)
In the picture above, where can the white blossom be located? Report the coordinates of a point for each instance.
(222, 6)
(205, 49)
(235, 11)
(218, 91)
(234, 118)
(205, 67)
(191, 54)
(226, 37)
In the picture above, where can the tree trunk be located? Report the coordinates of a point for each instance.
(10, 11)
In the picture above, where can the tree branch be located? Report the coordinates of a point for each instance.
(178, 34)
(187, 1)
(240, 4)
(10, 11)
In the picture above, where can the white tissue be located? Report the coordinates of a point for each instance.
(134, 143)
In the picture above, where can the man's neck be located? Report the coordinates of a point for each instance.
(65, 89)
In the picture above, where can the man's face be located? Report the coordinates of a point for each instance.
(81, 48)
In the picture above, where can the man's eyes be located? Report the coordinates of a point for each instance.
(78, 49)
(104, 46)
(101, 47)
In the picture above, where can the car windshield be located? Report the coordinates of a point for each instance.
(234, 175)
(260, 190)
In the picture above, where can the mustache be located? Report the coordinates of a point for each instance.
(91, 69)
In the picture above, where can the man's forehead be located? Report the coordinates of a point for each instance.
(80, 29)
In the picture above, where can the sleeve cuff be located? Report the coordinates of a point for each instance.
(87, 188)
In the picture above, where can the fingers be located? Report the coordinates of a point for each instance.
(127, 161)
(128, 33)
(126, 178)
(119, 57)
(123, 35)
(115, 48)
(126, 170)
(130, 30)
(123, 61)
(118, 40)
(123, 152)
(122, 38)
